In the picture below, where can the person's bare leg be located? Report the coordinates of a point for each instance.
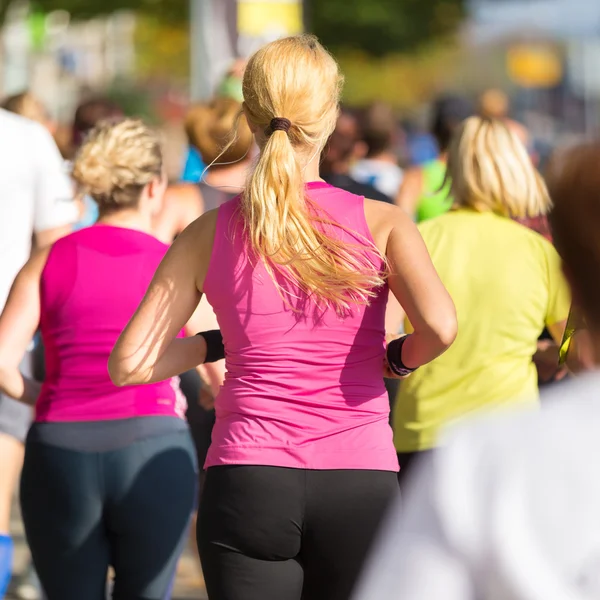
(11, 461)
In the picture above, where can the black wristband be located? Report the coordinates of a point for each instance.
(215, 350)
(394, 357)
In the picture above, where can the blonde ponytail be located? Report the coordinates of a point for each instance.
(296, 80)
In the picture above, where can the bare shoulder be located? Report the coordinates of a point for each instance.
(31, 272)
(200, 233)
(182, 193)
(413, 174)
(410, 190)
(182, 204)
(194, 245)
(383, 219)
(204, 224)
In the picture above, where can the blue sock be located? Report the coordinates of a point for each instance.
(6, 554)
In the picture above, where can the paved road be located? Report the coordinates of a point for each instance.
(189, 583)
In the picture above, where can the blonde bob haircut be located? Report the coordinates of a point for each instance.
(297, 79)
(116, 161)
(490, 170)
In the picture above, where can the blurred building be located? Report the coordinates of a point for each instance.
(223, 30)
(56, 57)
(551, 54)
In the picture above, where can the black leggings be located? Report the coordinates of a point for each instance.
(201, 421)
(270, 533)
(129, 508)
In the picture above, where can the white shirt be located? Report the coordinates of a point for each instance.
(508, 510)
(382, 175)
(35, 192)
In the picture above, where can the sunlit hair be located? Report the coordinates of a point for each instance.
(574, 183)
(116, 161)
(490, 170)
(297, 79)
(219, 131)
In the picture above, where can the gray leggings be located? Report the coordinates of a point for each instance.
(129, 508)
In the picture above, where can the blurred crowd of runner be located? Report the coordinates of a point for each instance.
(88, 211)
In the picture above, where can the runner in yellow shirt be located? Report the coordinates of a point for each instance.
(505, 280)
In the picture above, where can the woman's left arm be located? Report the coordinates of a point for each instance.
(18, 324)
(148, 350)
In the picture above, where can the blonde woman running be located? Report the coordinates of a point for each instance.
(109, 477)
(302, 467)
(505, 280)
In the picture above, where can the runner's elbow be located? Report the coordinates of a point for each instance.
(447, 329)
(122, 372)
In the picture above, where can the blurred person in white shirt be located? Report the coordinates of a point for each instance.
(508, 508)
(380, 133)
(36, 207)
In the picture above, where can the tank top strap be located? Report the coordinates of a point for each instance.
(227, 234)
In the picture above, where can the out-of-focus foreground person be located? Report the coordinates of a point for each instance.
(509, 507)
(36, 203)
(302, 466)
(109, 476)
(424, 193)
(505, 280)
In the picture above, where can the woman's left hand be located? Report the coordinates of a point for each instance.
(546, 362)
(387, 372)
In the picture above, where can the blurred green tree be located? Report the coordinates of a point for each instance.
(376, 27)
(380, 27)
(172, 10)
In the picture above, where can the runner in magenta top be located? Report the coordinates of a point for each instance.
(279, 406)
(102, 270)
(110, 474)
(301, 468)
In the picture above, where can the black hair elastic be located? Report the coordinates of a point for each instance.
(278, 124)
(394, 357)
(215, 350)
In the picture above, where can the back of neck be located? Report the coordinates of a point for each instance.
(128, 219)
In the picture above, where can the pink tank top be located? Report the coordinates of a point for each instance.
(91, 285)
(302, 390)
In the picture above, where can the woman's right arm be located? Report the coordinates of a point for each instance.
(18, 324)
(182, 205)
(416, 285)
(148, 350)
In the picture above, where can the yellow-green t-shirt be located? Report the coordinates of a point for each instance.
(507, 284)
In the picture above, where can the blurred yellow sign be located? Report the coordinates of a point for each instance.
(534, 66)
(268, 17)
